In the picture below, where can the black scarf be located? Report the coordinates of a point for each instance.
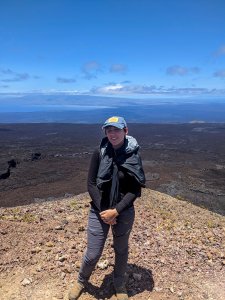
(126, 157)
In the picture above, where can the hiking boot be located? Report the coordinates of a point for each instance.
(121, 293)
(76, 291)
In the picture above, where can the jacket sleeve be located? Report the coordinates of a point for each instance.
(91, 181)
(129, 197)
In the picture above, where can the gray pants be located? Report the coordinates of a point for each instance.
(96, 236)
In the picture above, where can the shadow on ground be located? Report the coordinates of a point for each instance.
(139, 279)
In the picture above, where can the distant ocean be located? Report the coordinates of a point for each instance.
(141, 111)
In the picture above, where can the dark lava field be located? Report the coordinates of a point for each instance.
(43, 162)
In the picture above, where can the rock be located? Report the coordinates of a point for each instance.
(77, 265)
(26, 281)
(81, 228)
(49, 244)
(39, 269)
(157, 289)
(137, 276)
(3, 232)
(36, 250)
(65, 222)
(152, 176)
(59, 227)
(67, 269)
(62, 258)
(103, 264)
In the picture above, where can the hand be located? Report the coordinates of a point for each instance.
(112, 222)
(108, 216)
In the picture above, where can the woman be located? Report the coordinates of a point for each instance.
(115, 179)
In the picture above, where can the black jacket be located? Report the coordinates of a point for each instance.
(115, 177)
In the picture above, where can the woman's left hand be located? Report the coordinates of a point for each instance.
(109, 216)
(111, 222)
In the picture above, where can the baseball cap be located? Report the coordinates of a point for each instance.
(115, 121)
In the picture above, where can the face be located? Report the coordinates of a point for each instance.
(115, 136)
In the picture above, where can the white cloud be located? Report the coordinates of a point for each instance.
(119, 89)
(109, 89)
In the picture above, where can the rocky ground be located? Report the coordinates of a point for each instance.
(177, 251)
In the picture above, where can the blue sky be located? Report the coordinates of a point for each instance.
(124, 48)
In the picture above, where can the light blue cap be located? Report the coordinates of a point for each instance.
(115, 121)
